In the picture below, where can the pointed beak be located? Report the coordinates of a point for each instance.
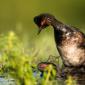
(41, 26)
(40, 29)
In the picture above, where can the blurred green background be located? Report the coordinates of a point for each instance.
(17, 16)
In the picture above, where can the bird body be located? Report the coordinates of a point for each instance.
(70, 41)
(70, 48)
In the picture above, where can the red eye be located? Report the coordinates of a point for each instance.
(49, 19)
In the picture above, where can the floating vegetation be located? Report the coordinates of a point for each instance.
(17, 65)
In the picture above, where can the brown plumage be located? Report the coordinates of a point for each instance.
(70, 41)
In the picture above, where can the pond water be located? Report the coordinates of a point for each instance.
(4, 81)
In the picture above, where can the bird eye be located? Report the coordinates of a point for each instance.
(49, 19)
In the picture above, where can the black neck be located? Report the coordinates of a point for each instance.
(58, 26)
(59, 30)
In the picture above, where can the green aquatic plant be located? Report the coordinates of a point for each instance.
(70, 81)
(15, 63)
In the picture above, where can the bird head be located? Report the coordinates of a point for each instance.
(43, 66)
(43, 20)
